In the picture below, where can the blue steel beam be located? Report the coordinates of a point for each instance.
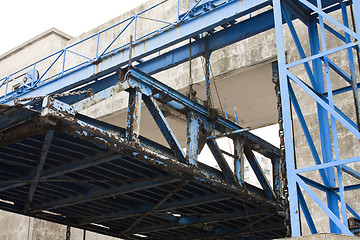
(220, 159)
(351, 172)
(64, 169)
(168, 206)
(100, 193)
(192, 141)
(327, 210)
(306, 212)
(183, 221)
(44, 152)
(179, 102)
(239, 159)
(133, 116)
(156, 206)
(215, 41)
(192, 28)
(259, 173)
(288, 134)
(164, 127)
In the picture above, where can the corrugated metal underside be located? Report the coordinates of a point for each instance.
(90, 181)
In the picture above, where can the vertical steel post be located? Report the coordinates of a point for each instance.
(356, 5)
(286, 114)
(133, 117)
(97, 45)
(323, 118)
(63, 65)
(192, 143)
(239, 159)
(136, 19)
(351, 66)
(178, 10)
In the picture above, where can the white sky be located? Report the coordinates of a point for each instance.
(21, 20)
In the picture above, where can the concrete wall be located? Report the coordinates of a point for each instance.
(18, 227)
(324, 236)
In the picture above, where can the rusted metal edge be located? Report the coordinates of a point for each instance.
(162, 161)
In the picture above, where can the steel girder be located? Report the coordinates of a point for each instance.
(320, 82)
(111, 180)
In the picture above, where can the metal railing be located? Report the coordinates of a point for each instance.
(48, 63)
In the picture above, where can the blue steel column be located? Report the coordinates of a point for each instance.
(324, 126)
(192, 143)
(239, 159)
(133, 118)
(351, 66)
(286, 112)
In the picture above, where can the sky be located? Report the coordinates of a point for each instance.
(21, 20)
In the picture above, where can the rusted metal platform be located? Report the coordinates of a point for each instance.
(81, 172)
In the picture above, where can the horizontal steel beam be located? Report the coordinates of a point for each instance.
(150, 86)
(99, 193)
(186, 221)
(165, 207)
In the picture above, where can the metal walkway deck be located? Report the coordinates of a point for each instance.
(92, 180)
(68, 168)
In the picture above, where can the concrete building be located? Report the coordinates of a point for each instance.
(242, 73)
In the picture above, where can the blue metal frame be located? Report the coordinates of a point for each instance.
(191, 25)
(165, 172)
(329, 116)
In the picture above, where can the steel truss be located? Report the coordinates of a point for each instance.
(143, 180)
(319, 83)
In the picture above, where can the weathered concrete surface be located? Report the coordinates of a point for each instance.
(323, 236)
(349, 145)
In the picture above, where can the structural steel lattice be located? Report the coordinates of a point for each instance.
(65, 167)
(320, 86)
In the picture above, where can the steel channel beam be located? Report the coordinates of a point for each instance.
(149, 85)
(255, 165)
(156, 206)
(164, 127)
(186, 221)
(64, 169)
(133, 116)
(165, 162)
(99, 193)
(220, 159)
(44, 152)
(168, 206)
